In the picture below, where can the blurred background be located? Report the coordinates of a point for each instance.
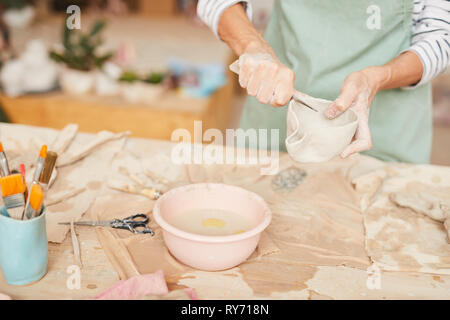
(148, 66)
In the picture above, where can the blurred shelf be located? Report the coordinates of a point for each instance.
(94, 113)
(154, 39)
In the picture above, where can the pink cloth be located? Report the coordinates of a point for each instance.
(137, 287)
(4, 297)
(191, 293)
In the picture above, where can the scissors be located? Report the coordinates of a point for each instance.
(136, 223)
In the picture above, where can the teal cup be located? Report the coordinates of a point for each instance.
(23, 248)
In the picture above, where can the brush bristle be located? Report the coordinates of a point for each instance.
(43, 153)
(36, 196)
(49, 165)
(12, 184)
(1, 147)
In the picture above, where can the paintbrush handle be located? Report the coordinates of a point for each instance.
(4, 168)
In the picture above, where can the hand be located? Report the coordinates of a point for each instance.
(265, 77)
(357, 93)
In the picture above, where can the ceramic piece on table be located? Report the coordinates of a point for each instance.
(106, 80)
(140, 92)
(19, 18)
(76, 82)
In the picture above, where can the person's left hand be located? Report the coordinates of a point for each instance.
(357, 93)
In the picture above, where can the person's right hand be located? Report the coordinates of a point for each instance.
(265, 77)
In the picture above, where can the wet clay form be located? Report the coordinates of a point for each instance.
(311, 137)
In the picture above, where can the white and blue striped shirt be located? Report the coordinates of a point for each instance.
(430, 30)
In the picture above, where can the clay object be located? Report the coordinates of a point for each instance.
(76, 82)
(64, 138)
(311, 137)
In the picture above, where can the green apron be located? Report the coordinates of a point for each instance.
(323, 41)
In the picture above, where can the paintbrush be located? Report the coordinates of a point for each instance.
(47, 171)
(13, 189)
(34, 203)
(4, 169)
(23, 173)
(40, 164)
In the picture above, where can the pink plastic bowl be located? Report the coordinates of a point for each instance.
(211, 253)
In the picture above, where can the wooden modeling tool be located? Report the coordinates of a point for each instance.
(40, 163)
(13, 189)
(34, 203)
(47, 171)
(4, 169)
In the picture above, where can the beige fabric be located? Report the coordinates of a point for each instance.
(311, 137)
(63, 195)
(84, 150)
(407, 234)
(331, 281)
(426, 199)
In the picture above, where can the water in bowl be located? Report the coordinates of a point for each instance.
(211, 222)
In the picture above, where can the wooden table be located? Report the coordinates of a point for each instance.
(296, 280)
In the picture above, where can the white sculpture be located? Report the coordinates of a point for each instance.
(33, 71)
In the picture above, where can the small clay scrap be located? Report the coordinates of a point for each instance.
(288, 179)
(405, 215)
(63, 195)
(427, 200)
(64, 139)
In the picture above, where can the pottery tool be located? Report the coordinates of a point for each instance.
(136, 223)
(13, 189)
(156, 178)
(40, 163)
(148, 192)
(235, 68)
(295, 98)
(4, 169)
(75, 245)
(34, 203)
(47, 171)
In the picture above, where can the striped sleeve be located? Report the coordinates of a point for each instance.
(431, 36)
(210, 11)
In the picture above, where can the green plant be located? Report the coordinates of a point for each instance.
(131, 76)
(80, 49)
(14, 4)
(154, 78)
